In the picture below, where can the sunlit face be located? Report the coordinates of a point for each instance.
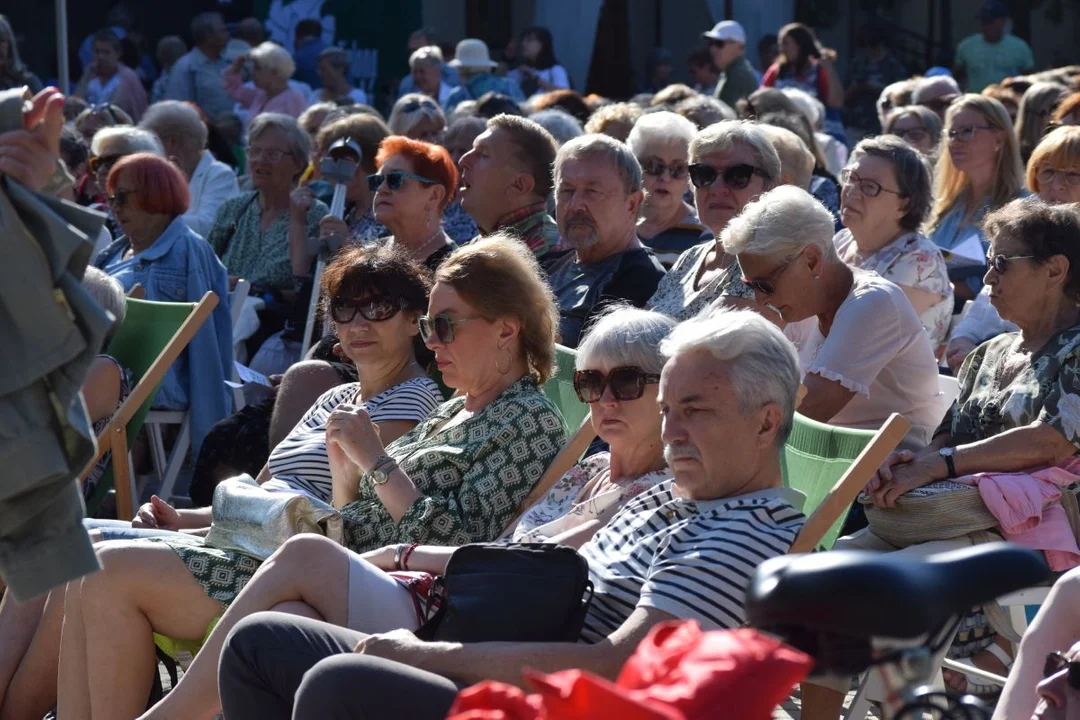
(911, 130)
(413, 198)
(789, 279)
(487, 170)
(1015, 292)
(972, 142)
(1058, 184)
(270, 163)
(718, 203)
(859, 211)
(124, 203)
(591, 201)
(428, 129)
(466, 362)
(366, 341)
(427, 77)
(664, 191)
(626, 425)
(1057, 699)
(263, 77)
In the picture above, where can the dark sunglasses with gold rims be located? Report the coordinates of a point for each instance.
(626, 383)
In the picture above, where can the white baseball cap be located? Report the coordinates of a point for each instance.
(727, 30)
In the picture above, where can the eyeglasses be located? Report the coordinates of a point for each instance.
(441, 326)
(103, 163)
(394, 180)
(264, 155)
(869, 188)
(736, 177)
(376, 309)
(966, 134)
(119, 198)
(414, 105)
(1056, 662)
(767, 285)
(626, 383)
(1048, 175)
(657, 168)
(912, 135)
(1000, 263)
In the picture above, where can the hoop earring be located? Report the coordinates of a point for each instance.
(509, 362)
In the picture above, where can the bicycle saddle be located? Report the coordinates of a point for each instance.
(866, 594)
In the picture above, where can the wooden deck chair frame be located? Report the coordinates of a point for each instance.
(114, 436)
(850, 484)
(237, 298)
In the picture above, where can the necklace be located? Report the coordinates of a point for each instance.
(422, 251)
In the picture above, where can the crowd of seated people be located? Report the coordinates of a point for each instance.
(703, 268)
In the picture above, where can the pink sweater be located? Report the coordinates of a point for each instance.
(255, 101)
(1027, 507)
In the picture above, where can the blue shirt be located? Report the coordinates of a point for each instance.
(307, 62)
(476, 86)
(449, 77)
(181, 267)
(196, 78)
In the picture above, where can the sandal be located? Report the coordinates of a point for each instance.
(976, 685)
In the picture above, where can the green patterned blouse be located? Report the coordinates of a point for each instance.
(1001, 389)
(472, 476)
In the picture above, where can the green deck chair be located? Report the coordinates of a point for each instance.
(148, 342)
(560, 389)
(830, 465)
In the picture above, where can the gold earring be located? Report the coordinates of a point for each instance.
(509, 362)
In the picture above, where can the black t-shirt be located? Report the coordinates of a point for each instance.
(583, 290)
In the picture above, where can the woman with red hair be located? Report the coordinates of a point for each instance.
(148, 197)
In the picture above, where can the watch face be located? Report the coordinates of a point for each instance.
(378, 477)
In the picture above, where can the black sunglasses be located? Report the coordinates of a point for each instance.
(97, 163)
(1000, 263)
(626, 383)
(736, 177)
(376, 309)
(414, 105)
(441, 326)
(1056, 662)
(394, 180)
(657, 168)
(767, 285)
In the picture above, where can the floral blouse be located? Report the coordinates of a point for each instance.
(564, 507)
(676, 295)
(994, 398)
(472, 476)
(914, 261)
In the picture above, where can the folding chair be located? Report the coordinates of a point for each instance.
(560, 388)
(148, 342)
(237, 298)
(814, 453)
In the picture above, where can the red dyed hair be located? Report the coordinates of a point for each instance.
(431, 161)
(159, 185)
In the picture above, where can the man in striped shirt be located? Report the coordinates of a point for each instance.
(685, 549)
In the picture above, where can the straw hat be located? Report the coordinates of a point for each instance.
(472, 53)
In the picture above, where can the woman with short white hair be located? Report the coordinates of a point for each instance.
(426, 67)
(668, 224)
(418, 117)
(271, 67)
(731, 163)
(863, 352)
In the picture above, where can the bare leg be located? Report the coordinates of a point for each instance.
(309, 569)
(142, 588)
(18, 623)
(74, 702)
(821, 703)
(32, 691)
(1056, 627)
(302, 385)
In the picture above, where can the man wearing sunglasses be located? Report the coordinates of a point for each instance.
(727, 44)
(683, 549)
(599, 191)
(506, 182)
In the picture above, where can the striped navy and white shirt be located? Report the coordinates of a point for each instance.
(691, 559)
(300, 462)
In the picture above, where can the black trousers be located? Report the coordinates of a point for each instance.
(282, 667)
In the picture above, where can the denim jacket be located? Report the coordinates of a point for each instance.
(180, 267)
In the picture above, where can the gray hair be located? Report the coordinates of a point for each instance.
(401, 123)
(781, 221)
(762, 364)
(809, 106)
(796, 160)
(106, 292)
(913, 174)
(563, 126)
(275, 58)
(934, 87)
(926, 116)
(337, 57)
(204, 24)
(175, 119)
(704, 110)
(130, 139)
(427, 55)
(625, 336)
(299, 142)
(722, 136)
(614, 151)
(660, 127)
(624, 113)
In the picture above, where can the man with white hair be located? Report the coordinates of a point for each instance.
(183, 135)
(683, 549)
(598, 196)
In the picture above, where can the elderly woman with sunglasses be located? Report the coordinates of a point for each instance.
(731, 163)
(669, 225)
(619, 367)
(456, 478)
(863, 351)
(884, 200)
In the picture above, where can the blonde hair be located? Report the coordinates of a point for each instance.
(950, 183)
(796, 160)
(1035, 112)
(275, 58)
(500, 277)
(1059, 149)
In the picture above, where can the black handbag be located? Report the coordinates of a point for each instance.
(516, 592)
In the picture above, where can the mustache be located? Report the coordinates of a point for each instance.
(580, 218)
(677, 451)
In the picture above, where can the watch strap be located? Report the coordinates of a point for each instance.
(950, 465)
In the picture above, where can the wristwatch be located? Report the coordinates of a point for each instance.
(380, 471)
(947, 454)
